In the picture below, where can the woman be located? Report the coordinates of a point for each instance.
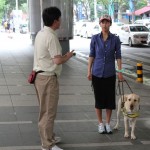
(105, 48)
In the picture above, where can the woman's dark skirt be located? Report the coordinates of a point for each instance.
(104, 92)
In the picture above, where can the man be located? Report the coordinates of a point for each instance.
(48, 58)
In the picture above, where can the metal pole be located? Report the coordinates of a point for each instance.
(95, 9)
(27, 6)
(139, 72)
(133, 15)
(17, 14)
(41, 7)
(111, 9)
(17, 5)
(132, 9)
(27, 2)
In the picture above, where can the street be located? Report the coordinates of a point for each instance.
(130, 56)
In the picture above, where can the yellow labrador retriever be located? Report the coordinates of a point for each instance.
(129, 105)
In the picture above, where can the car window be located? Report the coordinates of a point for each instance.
(138, 29)
(138, 22)
(84, 25)
(133, 29)
(122, 28)
(125, 28)
(96, 27)
(24, 25)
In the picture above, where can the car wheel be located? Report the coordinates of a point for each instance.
(130, 42)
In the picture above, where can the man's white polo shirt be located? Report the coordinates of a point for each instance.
(46, 47)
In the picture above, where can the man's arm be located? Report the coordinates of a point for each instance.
(58, 59)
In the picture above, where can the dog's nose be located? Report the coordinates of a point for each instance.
(131, 106)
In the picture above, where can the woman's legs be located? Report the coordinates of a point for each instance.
(99, 115)
(108, 115)
(101, 128)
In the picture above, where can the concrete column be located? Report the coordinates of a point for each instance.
(34, 17)
(65, 33)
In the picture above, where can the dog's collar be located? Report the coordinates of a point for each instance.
(130, 114)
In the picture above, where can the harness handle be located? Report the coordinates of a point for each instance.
(121, 91)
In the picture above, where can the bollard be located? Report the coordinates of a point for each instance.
(139, 73)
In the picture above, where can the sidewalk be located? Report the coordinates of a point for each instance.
(76, 121)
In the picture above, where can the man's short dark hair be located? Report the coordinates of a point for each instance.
(50, 14)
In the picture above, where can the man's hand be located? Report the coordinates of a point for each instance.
(70, 54)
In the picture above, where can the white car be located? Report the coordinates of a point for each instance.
(148, 41)
(148, 27)
(96, 29)
(89, 29)
(115, 27)
(77, 27)
(24, 28)
(144, 22)
(134, 34)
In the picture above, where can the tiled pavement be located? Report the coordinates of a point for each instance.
(76, 121)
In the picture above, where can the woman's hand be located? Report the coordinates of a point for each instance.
(120, 76)
(89, 76)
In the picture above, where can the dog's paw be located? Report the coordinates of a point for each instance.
(133, 137)
(116, 127)
(126, 135)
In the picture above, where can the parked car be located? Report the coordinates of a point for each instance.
(148, 27)
(89, 29)
(134, 34)
(96, 29)
(115, 27)
(23, 28)
(148, 40)
(77, 27)
(144, 22)
(117, 24)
